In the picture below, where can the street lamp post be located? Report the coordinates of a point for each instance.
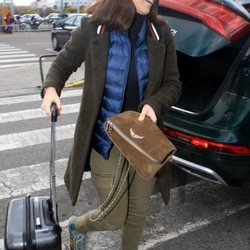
(78, 6)
(11, 7)
(62, 6)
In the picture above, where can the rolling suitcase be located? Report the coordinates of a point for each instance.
(32, 222)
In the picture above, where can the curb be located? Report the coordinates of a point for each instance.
(74, 84)
(16, 29)
(78, 83)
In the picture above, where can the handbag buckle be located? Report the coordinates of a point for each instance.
(110, 126)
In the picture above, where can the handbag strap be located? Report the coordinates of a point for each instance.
(106, 206)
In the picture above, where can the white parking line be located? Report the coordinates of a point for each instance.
(37, 43)
(190, 227)
(1, 244)
(51, 50)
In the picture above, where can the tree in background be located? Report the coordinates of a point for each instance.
(21, 10)
(73, 9)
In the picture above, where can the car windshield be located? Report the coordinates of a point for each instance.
(78, 20)
(53, 15)
(69, 21)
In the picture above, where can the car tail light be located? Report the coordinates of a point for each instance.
(207, 144)
(216, 16)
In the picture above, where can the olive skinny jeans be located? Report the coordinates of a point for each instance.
(124, 198)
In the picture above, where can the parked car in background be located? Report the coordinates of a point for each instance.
(34, 22)
(27, 17)
(20, 22)
(61, 31)
(54, 17)
(210, 125)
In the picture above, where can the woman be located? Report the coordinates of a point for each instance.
(130, 64)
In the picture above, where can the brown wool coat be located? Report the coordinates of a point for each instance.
(87, 46)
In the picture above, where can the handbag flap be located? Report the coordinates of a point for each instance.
(145, 136)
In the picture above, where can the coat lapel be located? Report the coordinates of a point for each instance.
(99, 57)
(156, 57)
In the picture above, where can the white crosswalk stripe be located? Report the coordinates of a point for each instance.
(8, 48)
(14, 52)
(36, 97)
(11, 57)
(34, 113)
(35, 137)
(34, 59)
(16, 56)
(15, 65)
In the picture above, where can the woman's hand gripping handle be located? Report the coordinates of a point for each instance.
(50, 97)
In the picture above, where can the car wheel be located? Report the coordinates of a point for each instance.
(55, 43)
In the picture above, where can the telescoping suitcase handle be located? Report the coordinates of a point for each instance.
(41, 59)
(52, 162)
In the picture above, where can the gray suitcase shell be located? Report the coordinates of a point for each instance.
(30, 225)
(32, 222)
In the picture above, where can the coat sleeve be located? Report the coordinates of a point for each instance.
(69, 59)
(170, 87)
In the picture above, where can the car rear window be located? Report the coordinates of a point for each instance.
(191, 35)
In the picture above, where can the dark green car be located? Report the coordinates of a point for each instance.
(210, 125)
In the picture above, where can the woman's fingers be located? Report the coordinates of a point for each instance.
(147, 111)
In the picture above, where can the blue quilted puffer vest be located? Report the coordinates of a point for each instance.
(116, 81)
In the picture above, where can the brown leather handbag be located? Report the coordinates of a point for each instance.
(142, 143)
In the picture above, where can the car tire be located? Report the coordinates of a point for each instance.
(55, 43)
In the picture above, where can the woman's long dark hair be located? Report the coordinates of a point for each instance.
(119, 14)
